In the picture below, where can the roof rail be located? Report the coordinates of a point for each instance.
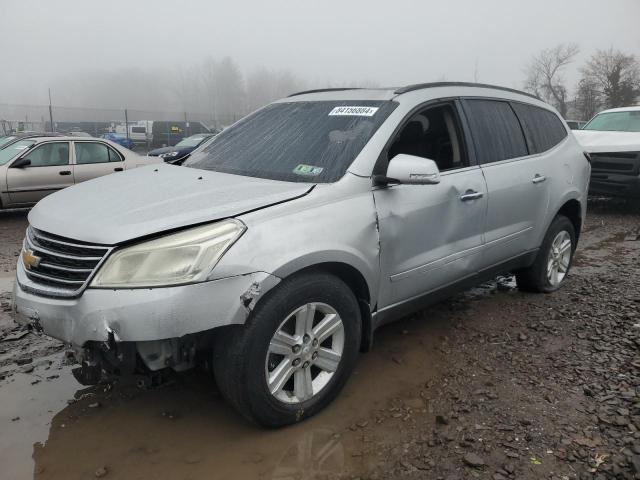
(318, 90)
(420, 86)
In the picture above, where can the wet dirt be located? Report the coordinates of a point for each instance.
(493, 383)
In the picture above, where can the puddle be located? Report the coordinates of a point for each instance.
(35, 405)
(186, 430)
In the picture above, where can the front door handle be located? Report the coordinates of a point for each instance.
(471, 195)
(65, 172)
(118, 169)
(538, 178)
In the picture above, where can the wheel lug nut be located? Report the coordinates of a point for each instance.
(296, 362)
(315, 342)
(306, 338)
(296, 348)
(314, 356)
(305, 364)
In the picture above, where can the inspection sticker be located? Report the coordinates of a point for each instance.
(354, 111)
(308, 170)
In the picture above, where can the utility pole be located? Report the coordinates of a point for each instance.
(186, 125)
(53, 127)
(126, 123)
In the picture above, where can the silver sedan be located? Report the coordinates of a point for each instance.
(32, 168)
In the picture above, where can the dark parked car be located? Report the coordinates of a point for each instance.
(182, 149)
(576, 124)
(169, 133)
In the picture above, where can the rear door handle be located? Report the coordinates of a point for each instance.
(471, 195)
(538, 178)
(65, 172)
(118, 169)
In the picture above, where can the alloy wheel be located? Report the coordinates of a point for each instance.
(559, 258)
(304, 353)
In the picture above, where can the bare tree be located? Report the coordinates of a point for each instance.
(265, 86)
(615, 77)
(544, 75)
(587, 101)
(224, 90)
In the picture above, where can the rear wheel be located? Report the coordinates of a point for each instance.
(553, 261)
(294, 354)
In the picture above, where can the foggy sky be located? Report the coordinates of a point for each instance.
(385, 42)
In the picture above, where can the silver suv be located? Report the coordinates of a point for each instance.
(276, 251)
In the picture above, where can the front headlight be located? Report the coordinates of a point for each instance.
(169, 155)
(184, 257)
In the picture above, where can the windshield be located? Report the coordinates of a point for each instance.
(296, 142)
(11, 151)
(628, 121)
(190, 141)
(7, 139)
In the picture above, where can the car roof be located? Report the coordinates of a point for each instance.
(62, 138)
(389, 93)
(633, 108)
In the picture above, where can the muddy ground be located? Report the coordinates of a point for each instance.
(492, 384)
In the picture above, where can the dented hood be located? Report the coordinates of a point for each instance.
(595, 141)
(124, 206)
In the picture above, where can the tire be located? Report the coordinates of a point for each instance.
(245, 357)
(536, 278)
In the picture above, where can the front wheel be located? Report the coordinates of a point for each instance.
(295, 353)
(553, 261)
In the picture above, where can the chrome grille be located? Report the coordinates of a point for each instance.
(65, 266)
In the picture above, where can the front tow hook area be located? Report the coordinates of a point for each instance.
(90, 375)
(87, 374)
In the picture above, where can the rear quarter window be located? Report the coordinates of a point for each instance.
(495, 129)
(543, 129)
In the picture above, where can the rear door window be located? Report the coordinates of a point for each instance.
(497, 134)
(90, 152)
(113, 155)
(543, 128)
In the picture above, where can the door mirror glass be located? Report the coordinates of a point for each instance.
(412, 170)
(21, 163)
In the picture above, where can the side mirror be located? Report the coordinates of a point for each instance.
(410, 170)
(21, 163)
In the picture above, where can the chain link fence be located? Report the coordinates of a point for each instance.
(149, 128)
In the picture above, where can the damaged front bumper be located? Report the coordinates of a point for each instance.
(153, 320)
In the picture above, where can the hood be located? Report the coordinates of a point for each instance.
(147, 200)
(596, 141)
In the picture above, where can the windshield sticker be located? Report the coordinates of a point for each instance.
(353, 111)
(308, 170)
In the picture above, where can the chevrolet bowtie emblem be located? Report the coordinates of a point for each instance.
(29, 259)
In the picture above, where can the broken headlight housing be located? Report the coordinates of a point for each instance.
(175, 259)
